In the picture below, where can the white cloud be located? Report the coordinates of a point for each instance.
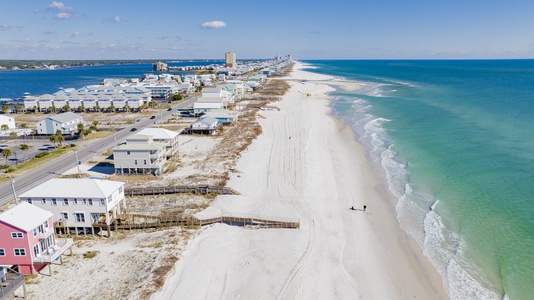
(4, 27)
(62, 12)
(213, 24)
(117, 19)
(77, 33)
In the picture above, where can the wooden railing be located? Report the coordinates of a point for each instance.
(199, 189)
(12, 283)
(138, 221)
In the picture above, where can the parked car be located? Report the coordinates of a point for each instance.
(169, 109)
(153, 117)
(133, 129)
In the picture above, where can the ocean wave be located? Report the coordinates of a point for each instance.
(416, 211)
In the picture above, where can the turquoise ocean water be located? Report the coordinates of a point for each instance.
(456, 141)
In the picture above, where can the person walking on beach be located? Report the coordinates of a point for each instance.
(364, 207)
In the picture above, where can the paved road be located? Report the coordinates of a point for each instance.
(59, 166)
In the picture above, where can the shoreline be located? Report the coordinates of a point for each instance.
(316, 174)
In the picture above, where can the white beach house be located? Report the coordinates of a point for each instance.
(6, 120)
(77, 203)
(66, 122)
(139, 155)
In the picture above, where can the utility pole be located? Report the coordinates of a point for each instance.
(77, 163)
(13, 188)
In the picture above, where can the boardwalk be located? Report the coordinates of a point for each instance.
(200, 189)
(140, 221)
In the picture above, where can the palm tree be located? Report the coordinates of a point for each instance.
(7, 153)
(13, 135)
(17, 107)
(95, 123)
(4, 127)
(66, 107)
(5, 108)
(54, 139)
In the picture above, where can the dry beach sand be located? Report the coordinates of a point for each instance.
(305, 165)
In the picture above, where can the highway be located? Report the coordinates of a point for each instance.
(58, 166)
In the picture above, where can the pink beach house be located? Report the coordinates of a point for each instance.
(28, 240)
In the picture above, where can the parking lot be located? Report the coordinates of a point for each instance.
(19, 155)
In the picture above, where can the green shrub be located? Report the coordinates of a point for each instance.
(41, 154)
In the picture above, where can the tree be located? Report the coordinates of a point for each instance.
(24, 147)
(54, 139)
(80, 128)
(4, 127)
(13, 135)
(152, 103)
(126, 107)
(177, 97)
(7, 153)
(5, 108)
(95, 123)
(66, 107)
(111, 108)
(23, 125)
(17, 107)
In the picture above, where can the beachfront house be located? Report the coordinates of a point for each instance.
(140, 155)
(223, 116)
(204, 125)
(6, 120)
(28, 240)
(66, 122)
(163, 136)
(77, 203)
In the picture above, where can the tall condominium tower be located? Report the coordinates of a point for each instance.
(230, 60)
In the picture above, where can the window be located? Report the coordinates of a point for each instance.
(35, 232)
(84, 201)
(65, 201)
(46, 223)
(80, 217)
(40, 229)
(75, 201)
(102, 202)
(2, 252)
(20, 251)
(64, 216)
(36, 250)
(16, 235)
(43, 201)
(135, 162)
(54, 201)
(145, 161)
(90, 201)
(120, 189)
(30, 200)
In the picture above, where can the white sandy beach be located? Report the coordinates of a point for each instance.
(305, 165)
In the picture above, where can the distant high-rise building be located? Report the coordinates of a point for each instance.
(159, 67)
(230, 60)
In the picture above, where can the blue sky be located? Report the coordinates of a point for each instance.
(357, 29)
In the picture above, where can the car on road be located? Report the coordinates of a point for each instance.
(169, 109)
(138, 120)
(153, 117)
(133, 129)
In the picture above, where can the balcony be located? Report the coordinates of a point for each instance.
(53, 253)
(47, 233)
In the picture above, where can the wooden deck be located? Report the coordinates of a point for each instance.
(139, 221)
(12, 283)
(200, 189)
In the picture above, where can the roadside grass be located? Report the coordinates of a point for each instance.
(33, 163)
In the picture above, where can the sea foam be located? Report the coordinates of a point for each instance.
(415, 209)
